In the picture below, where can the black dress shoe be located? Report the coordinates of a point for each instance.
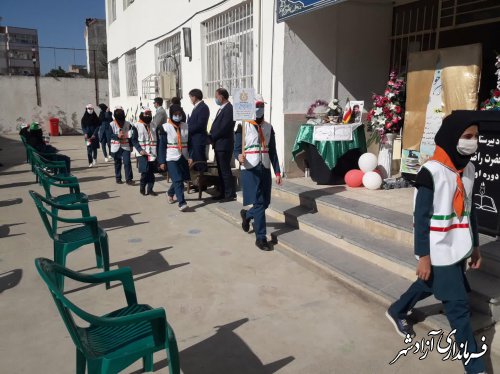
(227, 199)
(220, 197)
(262, 244)
(142, 191)
(119, 182)
(130, 182)
(152, 193)
(245, 222)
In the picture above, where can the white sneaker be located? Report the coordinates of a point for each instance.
(182, 208)
(94, 162)
(91, 164)
(105, 159)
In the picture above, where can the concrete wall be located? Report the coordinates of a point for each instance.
(64, 98)
(341, 51)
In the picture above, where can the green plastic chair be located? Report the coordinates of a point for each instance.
(60, 181)
(55, 167)
(116, 340)
(65, 242)
(25, 144)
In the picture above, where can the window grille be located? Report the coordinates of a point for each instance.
(168, 53)
(228, 44)
(112, 10)
(131, 73)
(115, 78)
(416, 26)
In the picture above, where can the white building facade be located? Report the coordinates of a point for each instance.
(333, 49)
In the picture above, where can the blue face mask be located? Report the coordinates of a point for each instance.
(218, 102)
(177, 118)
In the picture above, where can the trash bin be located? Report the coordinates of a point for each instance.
(54, 126)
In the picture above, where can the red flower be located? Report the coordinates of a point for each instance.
(496, 92)
(395, 120)
(398, 109)
(388, 125)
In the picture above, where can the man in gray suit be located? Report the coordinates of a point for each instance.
(161, 115)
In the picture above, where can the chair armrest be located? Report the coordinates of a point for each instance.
(87, 219)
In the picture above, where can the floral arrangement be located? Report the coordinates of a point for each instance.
(319, 107)
(387, 114)
(493, 103)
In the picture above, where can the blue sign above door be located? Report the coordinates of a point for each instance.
(289, 8)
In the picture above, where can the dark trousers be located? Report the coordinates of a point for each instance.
(257, 183)
(457, 312)
(223, 159)
(59, 157)
(148, 177)
(106, 143)
(123, 157)
(176, 174)
(91, 153)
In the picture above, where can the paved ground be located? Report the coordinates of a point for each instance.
(234, 309)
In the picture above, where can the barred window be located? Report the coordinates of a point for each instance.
(112, 10)
(228, 43)
(417, 26)
(115, 78)
(130, 69)
(168, 53)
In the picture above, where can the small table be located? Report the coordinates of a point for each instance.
(329, 161)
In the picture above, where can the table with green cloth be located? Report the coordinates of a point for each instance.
(331, 152)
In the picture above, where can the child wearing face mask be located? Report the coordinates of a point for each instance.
(446, 233)
(144, 142)
(120, 134)
(173, 154)
(255, 149)
(90, 127)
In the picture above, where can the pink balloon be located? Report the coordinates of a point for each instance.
(354, 178)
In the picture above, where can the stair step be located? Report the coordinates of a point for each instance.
(390, 254)
(383, 285)
(380, 221)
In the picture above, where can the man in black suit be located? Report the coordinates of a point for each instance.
(197, 125)
(222, 139)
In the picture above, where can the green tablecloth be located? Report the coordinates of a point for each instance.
(329, 151)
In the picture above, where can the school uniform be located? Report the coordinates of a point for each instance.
(121, 149)
(144, 139)
(255, 174)
(173, 150)
(446, 230)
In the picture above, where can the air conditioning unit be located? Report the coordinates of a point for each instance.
(168, 84)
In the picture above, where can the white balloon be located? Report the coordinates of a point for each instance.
(368, 162)
(372, 180)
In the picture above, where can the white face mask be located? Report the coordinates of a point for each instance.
(177, 118)
(467, 147)
(90, 111)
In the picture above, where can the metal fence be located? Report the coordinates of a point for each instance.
(228, 43)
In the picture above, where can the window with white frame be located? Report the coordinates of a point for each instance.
(112, 10)
(228, 43)
(114, 73)
(131, 73)
(126, 3)
(168, 53)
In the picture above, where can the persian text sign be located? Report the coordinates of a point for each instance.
(335, 133)
(243, 104)
(289, 8)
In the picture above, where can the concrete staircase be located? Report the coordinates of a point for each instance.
(371, 249)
